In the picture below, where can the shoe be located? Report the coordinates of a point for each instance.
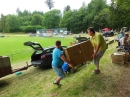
(96, 71)
(59, 85)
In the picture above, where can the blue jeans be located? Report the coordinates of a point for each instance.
(59, 71)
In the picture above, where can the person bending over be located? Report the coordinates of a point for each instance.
(58, 60)
(99, 45)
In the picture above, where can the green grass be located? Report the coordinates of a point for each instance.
(12, 45)
(36, 82)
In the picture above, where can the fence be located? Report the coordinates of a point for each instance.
(50, 32)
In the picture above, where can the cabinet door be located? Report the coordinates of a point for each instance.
(74, 55)
(87, 50)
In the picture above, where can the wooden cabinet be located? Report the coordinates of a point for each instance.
(79, 53)
(74, 54)
(87, 50)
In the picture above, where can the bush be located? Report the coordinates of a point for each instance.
(28, 28)
(39, 27)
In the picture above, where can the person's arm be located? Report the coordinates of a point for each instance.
(96, 51)
(128, 42)
(66, 60)
(123, 42)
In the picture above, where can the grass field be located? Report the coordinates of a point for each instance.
(36, 82)
(12, 45)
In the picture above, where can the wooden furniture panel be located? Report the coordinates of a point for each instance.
(87, 50)
(74, 54)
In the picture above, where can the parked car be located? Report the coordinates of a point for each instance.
(66, 32)
(41, 57)
(105, 38)
(81, 39)
(55, 33)
(108, 34)
(60, 36)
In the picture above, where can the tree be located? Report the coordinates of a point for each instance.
(120, 12)
(50, 3)
(26, 13)
(102, 19)
(19, 12)
(93, 9)
(82, 13)
(94, 14)
(66, 20)
(67, 8)
(51, 19)
(13, 23)
(36, 19)
(3, 23)
(37, 12)
(72, 20)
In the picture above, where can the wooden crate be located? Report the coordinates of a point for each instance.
(5, 66)
(4, 62)
(79, 53)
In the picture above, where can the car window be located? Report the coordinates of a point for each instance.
(37, 47)
(48, 51)
(39, 52)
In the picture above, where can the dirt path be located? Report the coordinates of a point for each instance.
(122, 89)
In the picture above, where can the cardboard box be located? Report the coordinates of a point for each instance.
(126, 56)
(79, 53)
(120, 57)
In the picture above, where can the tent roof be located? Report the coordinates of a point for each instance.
(106, 29)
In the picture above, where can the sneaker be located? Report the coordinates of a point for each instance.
(96, 71)
(59, 85)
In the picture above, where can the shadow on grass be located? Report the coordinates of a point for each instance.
(43, 68)
(3, 83)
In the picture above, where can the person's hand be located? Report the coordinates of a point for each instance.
(71, 65)
(94, 56)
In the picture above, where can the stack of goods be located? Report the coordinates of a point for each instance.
(120, 57)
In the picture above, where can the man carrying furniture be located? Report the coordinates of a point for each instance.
(58, 60)
(99, 45)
